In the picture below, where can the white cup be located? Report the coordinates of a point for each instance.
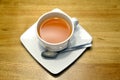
(56, 13)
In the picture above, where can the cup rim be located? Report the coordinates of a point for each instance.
(61, 41)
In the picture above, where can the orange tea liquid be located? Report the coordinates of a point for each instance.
(54, 30)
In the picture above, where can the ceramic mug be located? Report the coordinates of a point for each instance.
(56, 13)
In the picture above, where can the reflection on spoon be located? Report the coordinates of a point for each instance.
(49, 54)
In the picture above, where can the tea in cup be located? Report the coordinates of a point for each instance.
(54, 30)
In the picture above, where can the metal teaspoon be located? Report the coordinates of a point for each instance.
(50, 54)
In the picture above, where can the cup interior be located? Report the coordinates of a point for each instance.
(51, 15)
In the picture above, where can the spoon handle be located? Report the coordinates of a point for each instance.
(76, 47)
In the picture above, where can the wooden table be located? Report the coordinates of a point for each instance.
(101, 18)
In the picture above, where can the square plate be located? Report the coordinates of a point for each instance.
(55, 66)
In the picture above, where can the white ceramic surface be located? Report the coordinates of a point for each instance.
(55, 66)
(55, 13)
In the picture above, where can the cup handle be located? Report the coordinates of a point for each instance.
(75, 22)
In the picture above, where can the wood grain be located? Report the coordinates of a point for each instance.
(101, 18)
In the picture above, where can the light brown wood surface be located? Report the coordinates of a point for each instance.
(101, 18)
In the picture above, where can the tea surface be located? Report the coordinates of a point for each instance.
(54, 30)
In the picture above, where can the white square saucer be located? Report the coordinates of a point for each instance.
(55, 66)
